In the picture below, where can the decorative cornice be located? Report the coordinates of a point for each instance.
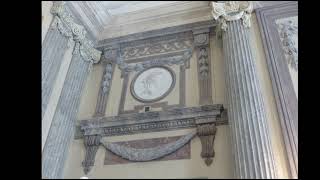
(155, 33)
(231, 11)
(175, 118)
(63, 21)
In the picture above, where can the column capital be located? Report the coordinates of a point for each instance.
(110, 55)
(231, 11)
(63, 21)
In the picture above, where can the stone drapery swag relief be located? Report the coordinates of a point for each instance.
(64, 22)
(203, 118)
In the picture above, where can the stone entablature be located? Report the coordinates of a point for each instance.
(175, 118)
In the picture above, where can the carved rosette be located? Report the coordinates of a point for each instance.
(206, 133)
(231, 11)
(91, 144)
(63, 21)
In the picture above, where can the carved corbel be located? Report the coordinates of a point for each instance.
(206, 133)
(201, 43)
(91, 144)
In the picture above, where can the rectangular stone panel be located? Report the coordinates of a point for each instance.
(182, 153)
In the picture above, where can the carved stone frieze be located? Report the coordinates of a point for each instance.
(231, 11)
(91, 144)
(288, 31)
(154, 49)
(63, 21)
(206, 133)
(175, 118)
(157, 61)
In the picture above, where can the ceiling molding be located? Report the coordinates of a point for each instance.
(110, 19)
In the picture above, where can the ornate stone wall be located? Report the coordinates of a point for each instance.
(102, 99)
(164, 50)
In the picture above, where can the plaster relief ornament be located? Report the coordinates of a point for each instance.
(231, 11)
(63, 21)
(152, 84)
(288, 31)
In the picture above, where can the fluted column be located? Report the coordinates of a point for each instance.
(53, 49)
(246, 111)
(63, 123)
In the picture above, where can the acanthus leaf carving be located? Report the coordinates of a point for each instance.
(91, 144)
(68, 28)
(206, 133)
(231, 11)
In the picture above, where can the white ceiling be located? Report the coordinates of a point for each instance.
(121, 7)
(106, 19)
(103, 18)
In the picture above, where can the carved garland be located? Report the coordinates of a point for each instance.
(174, 60)
(63, 21)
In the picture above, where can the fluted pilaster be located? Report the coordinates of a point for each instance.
(63, 123)
(53, 49)
(247, 116)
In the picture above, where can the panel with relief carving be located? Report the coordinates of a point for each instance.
(152, 84)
